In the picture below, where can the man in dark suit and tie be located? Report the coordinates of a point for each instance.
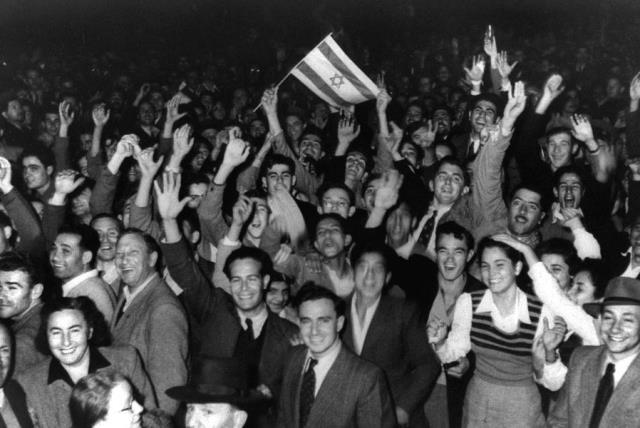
(601, 388)
(325, 384)
(386, 331)
(13, 405)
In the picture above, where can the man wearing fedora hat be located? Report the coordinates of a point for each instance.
(218, 395)
(601, 386)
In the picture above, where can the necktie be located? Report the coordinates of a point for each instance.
(120, 312)
(427, 231)
(605, 389)
(307, 392)
(249, 329)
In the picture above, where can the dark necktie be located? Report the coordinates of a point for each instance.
(120, 313)
(427, 231)
(307, 392)
(249, 330)
(605, 389)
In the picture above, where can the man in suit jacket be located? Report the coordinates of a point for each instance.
(149, 316)
(386, 331)
(325, 384)
(13, 405)
(601, 388)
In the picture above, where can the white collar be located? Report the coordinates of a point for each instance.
(129, 296)
(74, 282)
(328, 358)
(522, 307)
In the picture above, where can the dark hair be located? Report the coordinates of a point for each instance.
(334, 216)
(43, 154)
(116, 220)
(511, 253)
(452, 160)
(372, 247)
(94, 318)
(446, 108)
(336, 185)
(489, 97)
(596, 270)
(89, 239)
(310, 291)
(189, 216)
(277, 159)
(458, 232)
(13, 261)
(560, 247)
(5, 221)
(367, 182)
(150, 243)
(568, 169)
(89, 401)
(419, 150)
(266, 265)
(536, 188)
(557, 130)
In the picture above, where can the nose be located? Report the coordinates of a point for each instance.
(617, 326)
(314, 328)
(66, 339)
(523, 209)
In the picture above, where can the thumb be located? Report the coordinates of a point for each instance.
(183, 202)
(545, 324)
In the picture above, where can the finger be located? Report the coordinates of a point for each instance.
(545, 324)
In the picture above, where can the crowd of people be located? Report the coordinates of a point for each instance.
(184, 245)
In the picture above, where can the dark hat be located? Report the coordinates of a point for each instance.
(218, 380)
(620, 291)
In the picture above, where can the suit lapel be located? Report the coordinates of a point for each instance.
(626, 388)
(377, 329)
(347, 334)
(15, 396)
(590, 379)
(298, 365)
(327, 400)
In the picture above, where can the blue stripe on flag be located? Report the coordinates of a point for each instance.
(321, 84)
(337, 63)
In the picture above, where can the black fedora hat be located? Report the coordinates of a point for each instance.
(620, 291)
(218, 380)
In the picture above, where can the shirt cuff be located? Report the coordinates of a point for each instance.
(229, 243)
(553, 375)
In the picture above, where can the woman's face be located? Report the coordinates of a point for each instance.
(582, 290)
(124, 411)
(498, 271)
(68, 335)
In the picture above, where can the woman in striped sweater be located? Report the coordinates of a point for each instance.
(501, 325)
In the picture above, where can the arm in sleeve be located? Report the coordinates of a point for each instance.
(212, 224)
(167, 335)
(554, 374)
(94, 166)
(140, 380)
(458, 343)
(225, 248)
(142, 218)
(26, 222)
(103, 193)
(374, 407)
(548, 291)
(248, 178)
(52, 220)
(559, 412)
(61, 153)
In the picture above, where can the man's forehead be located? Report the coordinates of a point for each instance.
(485, 105)
(311, 138)
(570, 178)
(279, 168)
(450, 240)
(336, 192)
(329, 223)
(31, 160)
(450, 168)
(68, 239)
(528, 196)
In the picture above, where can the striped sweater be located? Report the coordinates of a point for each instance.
(503, 358)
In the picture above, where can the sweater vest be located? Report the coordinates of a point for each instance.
(503, 358)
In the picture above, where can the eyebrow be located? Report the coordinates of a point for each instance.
(14, 283)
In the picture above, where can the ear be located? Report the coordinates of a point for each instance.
(322, 153)
(49, 170)
(364, 177)
(153, 258)
(387, 278)
(542, 217)
(574, 148)
(352, 211)
(90, 333)
(347, 240)
(36, 291)
(431, 185)
(86, 257)
(315, 245)
(518, 268)
(265, 281)
(8, 231)
(555, 192)
(195, 237)
(465, 190)
(319, 208)
(414, 223)
(340, 322)
(470, 254)
(239, 418)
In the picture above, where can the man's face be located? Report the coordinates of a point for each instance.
(247, 284)
(424, 85)
(52, 124)
(582, 289)
(409, 152)
(278, 178)
(320, 325)
(15, 112)
(146, 114)
(17, 293)
(67, 258)
(525, 212)
(214, 415)
(414, 114)
(133, 261)
(278, 296)
(109, 232)
(311, 146)
(559, 150)
(614, 88)
(421, 137)
(5, 354)
(320, 112)
(257, 129)
(452, 255)
(260, 218)
(399, 224)
(80, 203)
(370, 193)
(295, 126)
(370, 275)
(34, 173)
(200, 158)
(336, 200)
(157, 100)
(569, 191)
(448, 184)
(68, 335)
(559, 268)
(620, 330)
(483, 114)
(355, 166)
(442, 122)
(197, 191)
(331, 240)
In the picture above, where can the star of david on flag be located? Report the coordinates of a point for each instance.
(329, 73)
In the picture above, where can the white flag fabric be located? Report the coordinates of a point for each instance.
(331, 75)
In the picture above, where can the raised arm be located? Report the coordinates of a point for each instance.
(141, 215)
(61, 145)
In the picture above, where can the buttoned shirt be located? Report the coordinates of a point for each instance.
(360, 330)
(129, 296)
(257, 321)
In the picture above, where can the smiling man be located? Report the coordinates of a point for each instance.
(325, 384)
(601, 386)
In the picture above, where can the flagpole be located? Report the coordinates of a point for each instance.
(293, 68)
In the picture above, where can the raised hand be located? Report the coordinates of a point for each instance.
(145, 88)
(490, 45)
(66, 115)
(382, 100)
(5, 175)
(553, 87)
(515, 106)
(553, 337)
(67, 181)
(237, 150)
(634, 167)
(475, 73)
(168, 197)
(582, 130)
(129, 145)
(270, 101)
(634, 88)
(100, 115)
(172, 108)
(502, 63)
(182, 141)
(348, 129)
(148, 168)
(388, 190)
(242, 210)
(437, 331)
